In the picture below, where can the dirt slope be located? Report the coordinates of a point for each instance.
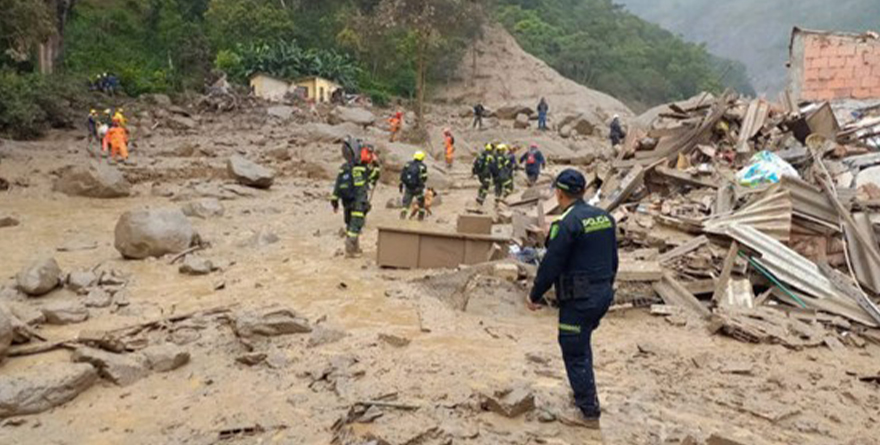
(507, 75)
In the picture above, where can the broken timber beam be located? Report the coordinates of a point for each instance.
(726, 270)
(684, 249)
(673, 293)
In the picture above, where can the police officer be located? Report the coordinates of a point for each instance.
(482, 168)
(581, 261)
(352, 188)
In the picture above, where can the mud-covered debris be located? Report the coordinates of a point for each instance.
(510, 402)
(506, 271)
(40, 277)
(121, 369)
(395, 340)
(81, 280)
(249, 173)
(194, 265)
(42, 387)
(324, 335)
(98, 298)
(271, 323)
(28, 314)
(153, 232)
(65, 312)
(165, 357)
(204, 208)
(252, 358)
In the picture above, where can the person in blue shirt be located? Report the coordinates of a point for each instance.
(581, 263)
(534, 161)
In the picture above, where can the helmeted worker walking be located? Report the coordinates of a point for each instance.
(534, 161)
(413, 180)
(449, 146)
(502, 174)
(352, 188)
(581, 262)
(482, 169)
(116, 140)
(394, 125)
(93, 127)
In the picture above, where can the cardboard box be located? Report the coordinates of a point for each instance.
(422, 249)
(475, 224)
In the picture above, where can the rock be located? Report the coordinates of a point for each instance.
(166, 357)
(395, 340)
(26, 313)
(8, 293)
(250, 174)
(252, 359)
(204, 208)
(262, 238)
(95, 180)
(565, 131)
(79, 281)
(8, 221)
(121, 369)
(282, 112)
(77, 246)
(43, 387)
(522, 121)
(179, 122)
(65, 312)
(98, 298)
(583, 126)
(270, 323)
(39, 277)
(330, 133)
(323, 335)
(511, 111)
(194, 265)
(157, 99)
(153, 232)
(510, 402)
(7, 329)
(358, 116)
(281, 154)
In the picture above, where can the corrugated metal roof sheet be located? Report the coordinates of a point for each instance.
(770, 215)
(866, 270)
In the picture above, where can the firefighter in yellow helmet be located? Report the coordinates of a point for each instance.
(413, 180)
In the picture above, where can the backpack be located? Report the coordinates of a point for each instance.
(412, 175)
(345, 183)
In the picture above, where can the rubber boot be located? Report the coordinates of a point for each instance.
(421, 215)
(351, 247)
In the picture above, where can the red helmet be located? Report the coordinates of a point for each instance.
(398, 115)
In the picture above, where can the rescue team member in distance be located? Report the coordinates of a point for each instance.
(581, 261)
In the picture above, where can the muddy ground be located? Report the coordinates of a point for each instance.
(659, 382)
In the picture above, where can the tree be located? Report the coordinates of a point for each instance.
(430, 23)
(23, 26)
(243, 22)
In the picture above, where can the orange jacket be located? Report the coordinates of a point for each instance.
(395, 123)
(115, 137)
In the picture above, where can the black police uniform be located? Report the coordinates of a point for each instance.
(581, 261)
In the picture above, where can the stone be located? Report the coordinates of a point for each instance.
(194, 265)
(95, 180)
(395, 340)
(522, 122)
(26, 313)
(282, 112)
(204, 208)
(165, 357)
(8, 221)
(179, 122)
(262, 238)
(565, 131)
(271, 322)
(42, 387)
(358, 116)
(249, 173)
(65, 312)
(161, 100)
(7, 329)
(317, 132)
(40, 277)
(121, 369)
(79, 281)
(512, 111)
(323, 335)
(153, 233)
(506, 271)
(510, 402)
(98, 298)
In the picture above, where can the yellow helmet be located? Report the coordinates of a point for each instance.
(419, 156)
(502, 147)
(489, 147)
(92, 111)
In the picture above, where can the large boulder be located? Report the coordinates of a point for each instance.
(153, 232)
(94, 180)
(43, 387)
(121, 369)
(249, 173)
(39, 277)
(395, 155)
(358, 116)
(330, 133)
(522, 121)
(584, 125)
(509, 112)
(282, 112)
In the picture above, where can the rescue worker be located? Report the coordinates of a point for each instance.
(117, 140)
(617, 134)
(479, 111)
(534, 161)
(581, 262)
(352, 188)
(449, 143)
(93, 127)
(395, 123)
(543, 108)
(482, 169)
(413, 180)
(370, 159)
(502, 174)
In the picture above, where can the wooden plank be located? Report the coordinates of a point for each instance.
(639, 271)
(684, 249)
(845, 285)
(726, 270)
(630, 183)
(684, 178)
(673, 293)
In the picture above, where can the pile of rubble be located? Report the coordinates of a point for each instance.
(759, 217)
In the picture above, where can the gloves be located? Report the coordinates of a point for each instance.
(335, 204)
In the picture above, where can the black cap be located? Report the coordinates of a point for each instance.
(571, 181)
